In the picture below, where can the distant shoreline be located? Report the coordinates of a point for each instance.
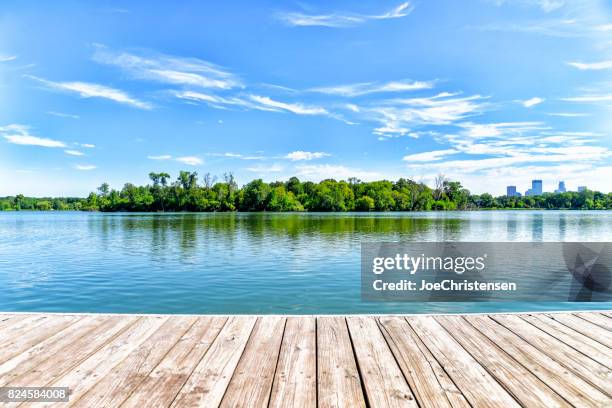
(189, 194)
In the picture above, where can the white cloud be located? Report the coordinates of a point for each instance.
(296, 108)
(169, 69)
(568, 114)
(365, 88)
(63, 115)
(255, 102)
(590, 98)
(584, 66)
(397, 116)
(340, 20)
(190, 160)
(7, 58)
(160, 157)
(484, 130)
(90, 90)
(236, 156)
(318, 172)
(74, 153)
(545, 5)
(429, 156)
(262, 170)
(19, 134)
(532, 102)
(87, 145)
(85, 167)
(301, 155)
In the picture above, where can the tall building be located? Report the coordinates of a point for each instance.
(582, 189)
(511, 191)
(536, 188)
(561, 188)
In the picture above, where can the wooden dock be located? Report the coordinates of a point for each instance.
(496, 360)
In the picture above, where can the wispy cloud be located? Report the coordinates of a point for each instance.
(237, 156)
(364, 88)
(168, 69)
(190, 160)
(341, 19)
(62, 115)
(160, 157)
(545, 5)
(74, 153)
(301, 155)
(398, 116)
(7, 58)
(20, 135)
(501, 129)
(90, 90)
(250, 101)
(569, 114)
(263, 169)
(429, 156)
(529, 103)
(296, 108)
(317, 172)
(591, 66)
(593, 98)
(85, 167)
(87, 145)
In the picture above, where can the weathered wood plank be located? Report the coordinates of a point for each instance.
(208, 382)
(339, 384)
(587, 368)
(162, 385)
(120, 383)
(38, 332)
(295, 381)
(565, 383)
(77, 351)
(252, 380)
(9, 320)
(86, 374)
(461, 366)
(587, 328)
(429, 382)
(571, 337)
(20, 327)
(526, 388)
(53, 345)
(598, 319)
(382, 378)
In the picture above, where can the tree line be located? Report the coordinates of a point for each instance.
(208, 194)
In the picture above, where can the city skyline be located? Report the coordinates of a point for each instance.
(485, 93)
(537, 188)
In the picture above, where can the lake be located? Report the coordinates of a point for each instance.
(248, 263)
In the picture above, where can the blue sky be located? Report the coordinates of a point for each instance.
(488, 92)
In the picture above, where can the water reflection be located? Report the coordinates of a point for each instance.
(239, 263)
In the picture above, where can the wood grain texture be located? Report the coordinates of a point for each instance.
(450, 361)
(568, 385)
(590, 370)
(207, 384)
(526, 388)
(339, 384)
(464, 370)
(429, 382)
(252, 380)
(585, 327)
(382, 379)
(569, 336)
(295, 381)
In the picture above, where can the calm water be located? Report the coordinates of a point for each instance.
(243, 263)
